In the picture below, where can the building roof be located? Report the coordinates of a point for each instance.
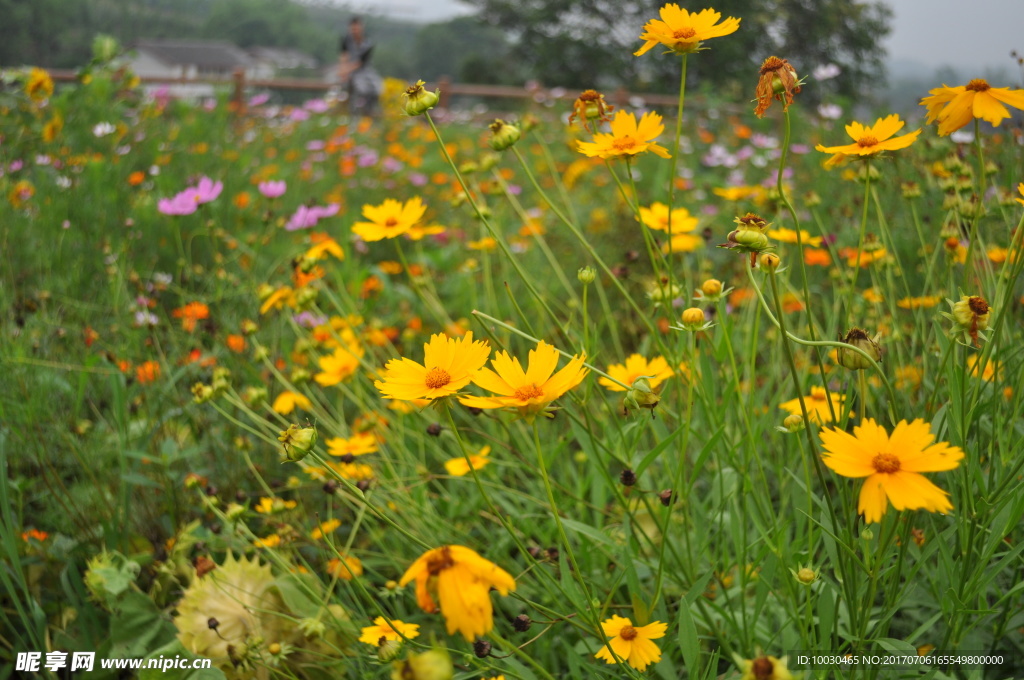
(282, 57)
(206, 55)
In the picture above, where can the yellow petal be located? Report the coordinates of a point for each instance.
(872, 502)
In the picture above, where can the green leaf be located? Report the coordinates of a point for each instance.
(176, 649)
(137, 626)
(689, 643)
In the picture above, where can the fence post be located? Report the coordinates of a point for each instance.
(238, 93)
(445, 83)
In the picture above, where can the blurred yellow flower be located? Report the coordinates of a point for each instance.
(682, 32)
(326, 527)
(955, 107)
(384, 630)
(789, 236)
(457, 467)
(287, 401)
(919, 302)
(817, 404)
(389, 219)
(460, 580)
(358, 444)
(339, 366)
(636, 366)
(345, 569)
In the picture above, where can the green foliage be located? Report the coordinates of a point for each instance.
(587, 43)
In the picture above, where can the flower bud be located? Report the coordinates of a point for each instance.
(805, 575)
(641, 395)
(586, 275)
(794, 422)
(104, 48)
(711, 288)
(297, 441)
(854, 360)
(234, 511)
(419, 100)
(482, 649)
(666, 497)
(503, 135)
(972, 312)
(521, 623)
(389, 650)
(202, 393)
(254, 395)
(693, 318)
(627, 477)
(434, 664)
(770, 262)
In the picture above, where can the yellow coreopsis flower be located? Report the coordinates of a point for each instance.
(287, 401)
(458, 467)
(448, 366)
(818, 411)
(875, 139)
(39, 84)
(324, 246)
(764, 668)
(919, 302)
(358, 444)
(529, 391)
(636, 366)
(631, 644)
(682, 32)
(955, 107)
(382, 630)
(339, 366)
(892, 465)
(327, 527)
(657, 217)
(789, 236)
(389, 219)
(627, 137)
(459, 579)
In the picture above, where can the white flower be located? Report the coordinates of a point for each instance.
(826, 71)
(103, 129)
(830, 111)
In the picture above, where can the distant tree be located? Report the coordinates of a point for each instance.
(584, 43)
(466, 49)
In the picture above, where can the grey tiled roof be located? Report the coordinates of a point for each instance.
(205, 55)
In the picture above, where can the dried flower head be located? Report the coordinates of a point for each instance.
(778, 81)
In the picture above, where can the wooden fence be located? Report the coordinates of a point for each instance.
(239, 83)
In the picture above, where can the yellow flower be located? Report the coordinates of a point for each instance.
(418, 233)
(389, 219)
(789, 236)
(955, 107)
(919, 302)
(269, 505)
(358, 444)
(457, 467)
(460, 579)
(39, 84)
(627, 137)
(277, 298)
(487, 244)
(631, 644)
(765, 668)
(871, 140)
(287, 401)
(346, 568)
(338, 366)
(657, 371)
(324, 246)
(657, 217)
(271, 541)
(325, 528)
(448, 366)
(528, 391)
(383, 630)
(817, 405)
(1020, 190)
(681, 31)
(757, 193)
(892, 465)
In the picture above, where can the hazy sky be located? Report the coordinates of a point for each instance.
(967, 33)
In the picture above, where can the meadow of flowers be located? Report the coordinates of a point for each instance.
(596, 391)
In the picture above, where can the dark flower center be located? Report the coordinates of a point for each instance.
(886, 463)
(867, 141)
(978, 85)
(684, 33)
(624, 143)
(978, 305)
(628, 633)
(390, 222)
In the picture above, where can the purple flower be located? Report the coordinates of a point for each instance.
(208, 189)
(316, 106)
(390, 164)
(16, 165)
(186, 202)
(272, 189)
(299, 115)
(417, 179)
(309, 320)
(259, 99)
(306, 217)
(179, 205)
(367, 158)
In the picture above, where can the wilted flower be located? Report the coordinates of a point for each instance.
(861, 340)
(778, 80)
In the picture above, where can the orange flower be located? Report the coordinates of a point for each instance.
(236, 343)
(190, 313)
(817, 256)
(136, 178)
(147, 372)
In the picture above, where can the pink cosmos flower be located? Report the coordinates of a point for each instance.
(272, 189)
(186, 202)
(304, 217)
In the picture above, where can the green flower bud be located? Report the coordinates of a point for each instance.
(297, 441)
(419, 100)
(503, 135)
(854, 360)
(586, 275)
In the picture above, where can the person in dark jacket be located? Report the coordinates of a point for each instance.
(360, 80)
